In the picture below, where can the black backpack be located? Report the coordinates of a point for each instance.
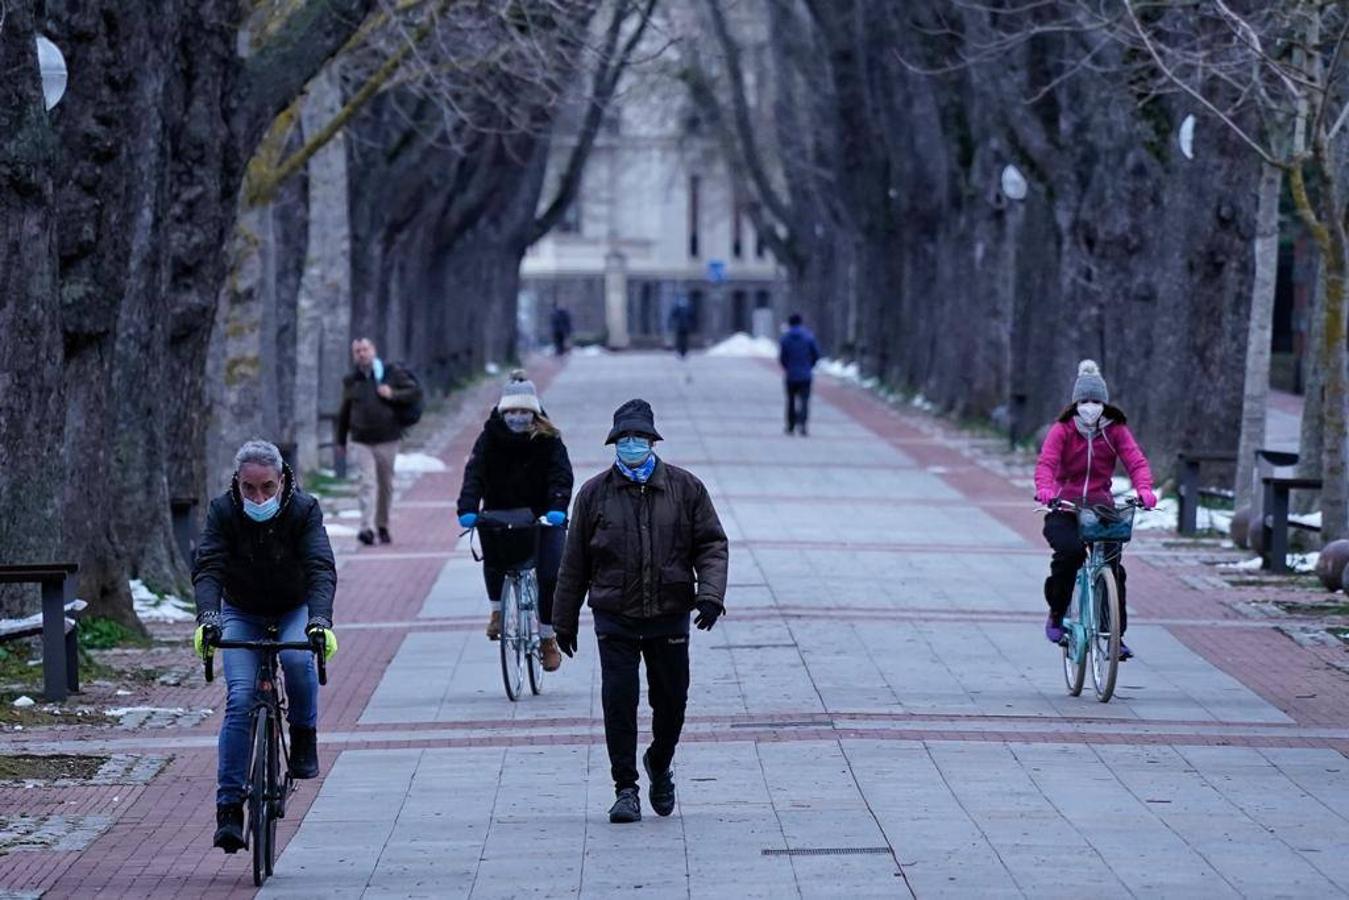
(410, 413)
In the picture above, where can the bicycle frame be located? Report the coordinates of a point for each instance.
(1081, 634)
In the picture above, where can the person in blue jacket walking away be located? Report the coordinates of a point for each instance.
(798, 353)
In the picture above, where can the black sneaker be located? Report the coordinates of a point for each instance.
(627, 808)
(384, 536)
(229, 827)
(662, 791)
(366, 536)
(304, 752)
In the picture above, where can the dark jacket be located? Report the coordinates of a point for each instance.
(798, 353)
(266, 568)
(676, 560)
(365, 415)
(561, 322)
(510, 471)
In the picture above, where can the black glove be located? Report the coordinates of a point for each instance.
(708, 613)
(566, 641)
(314, 629)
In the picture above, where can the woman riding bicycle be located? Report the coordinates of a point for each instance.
(519, 461)
(1076, 464)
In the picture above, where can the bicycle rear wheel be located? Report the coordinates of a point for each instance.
(1105, 643)
(259, 804)
(529, 613)
(512, 641)
(1074, 654)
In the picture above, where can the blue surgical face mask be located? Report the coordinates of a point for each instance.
(633, 451)
(261, 512)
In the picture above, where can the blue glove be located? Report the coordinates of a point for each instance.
(555, 518)
(468, 520)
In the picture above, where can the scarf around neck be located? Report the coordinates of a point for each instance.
(641, 474)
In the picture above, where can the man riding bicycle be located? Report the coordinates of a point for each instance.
(263, 560)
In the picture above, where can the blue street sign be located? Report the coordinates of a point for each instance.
(716, 270)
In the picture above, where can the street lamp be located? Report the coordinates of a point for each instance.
(52, 63)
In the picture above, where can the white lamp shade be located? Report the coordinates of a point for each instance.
(52, 64)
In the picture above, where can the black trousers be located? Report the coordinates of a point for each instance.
(1069, 555)
(667, 684)
(551, 542)
(798, 404)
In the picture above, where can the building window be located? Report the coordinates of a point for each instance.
(760, 248)
(740, 317)
(737, 231)
(696, 310)
(695, 186)
(762, 300)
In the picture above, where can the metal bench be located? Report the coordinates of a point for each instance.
(1187, 486)
(1274, 519)
(60, 651)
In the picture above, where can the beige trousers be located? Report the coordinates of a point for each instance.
(375, 463)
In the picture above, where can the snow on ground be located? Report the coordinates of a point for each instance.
(336, 530)
(590, 350)
(1298, 562)
(741, 344)
(418, 462)
(152, 607)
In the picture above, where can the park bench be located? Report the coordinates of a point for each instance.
(60, 649)
(1189, 489)
(1275, 521)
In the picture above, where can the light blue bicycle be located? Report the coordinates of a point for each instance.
(1091, 632)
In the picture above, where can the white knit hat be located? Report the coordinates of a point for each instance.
(1089, 384)
(520, 393)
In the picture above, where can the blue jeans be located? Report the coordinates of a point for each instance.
(241, 678)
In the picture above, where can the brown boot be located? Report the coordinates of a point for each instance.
(552, 658)
(494, 626)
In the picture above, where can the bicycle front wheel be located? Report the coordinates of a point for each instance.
(259, 804)
(529, 611)
(1074, 653)
(1105, 643)
(512, 640)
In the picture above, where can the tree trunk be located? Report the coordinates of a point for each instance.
(324, 305)
(1255, 396)
(31, 399)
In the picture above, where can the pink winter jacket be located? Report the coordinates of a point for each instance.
(1069, 468)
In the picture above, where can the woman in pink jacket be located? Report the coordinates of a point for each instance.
(1076, 464)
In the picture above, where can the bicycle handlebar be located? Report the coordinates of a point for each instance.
(1069, 506)
(209, 662)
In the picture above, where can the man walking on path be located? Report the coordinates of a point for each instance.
(371, 395)
(798, 353)
(681, 323)
(561, 324)
(647, 546)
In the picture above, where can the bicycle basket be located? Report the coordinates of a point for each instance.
(1105, 523)
(509, 537)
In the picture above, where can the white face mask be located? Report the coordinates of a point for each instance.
(1090, 412)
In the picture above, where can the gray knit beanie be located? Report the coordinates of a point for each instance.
(1090, 385)
(520, 393)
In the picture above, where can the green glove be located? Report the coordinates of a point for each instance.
(329, 640)
(204, 638)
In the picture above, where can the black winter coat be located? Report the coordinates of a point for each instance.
(512, 471)
(641, 551)
(366, 416)
(265, 568)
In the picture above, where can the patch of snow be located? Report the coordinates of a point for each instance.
(121, 693)
(591, 350)
(741, 344)
(336, 530)
(918, 401)
(492, 368)
(152, 607)
(23, 702)
(847, 371)
(1246, 565)
(349, 514)
(418, 462)
(1302, 563)
(1307, 519)
(118, 712)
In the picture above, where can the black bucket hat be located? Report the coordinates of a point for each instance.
(634, 417)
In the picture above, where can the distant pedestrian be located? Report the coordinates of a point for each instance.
(798, 353)
(371, 396)
(648, 548)
(561, 323)
(519, 461)
(681, 325)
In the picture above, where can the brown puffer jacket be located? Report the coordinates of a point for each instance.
(641, 550)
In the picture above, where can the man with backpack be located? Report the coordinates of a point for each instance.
(379, 400)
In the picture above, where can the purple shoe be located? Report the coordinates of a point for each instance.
(1053, 631)
(1124, 652)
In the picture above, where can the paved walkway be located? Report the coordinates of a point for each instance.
(878, 715)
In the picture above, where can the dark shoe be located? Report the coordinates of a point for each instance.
(229, 827)
(789, 430)
(304, 752)
(1054, 630)
(804, 433)
(1125, 654)
(494, 626)
(627, 808)
(549, 654)
(662, 791)
(366, 536)
(384, 536)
